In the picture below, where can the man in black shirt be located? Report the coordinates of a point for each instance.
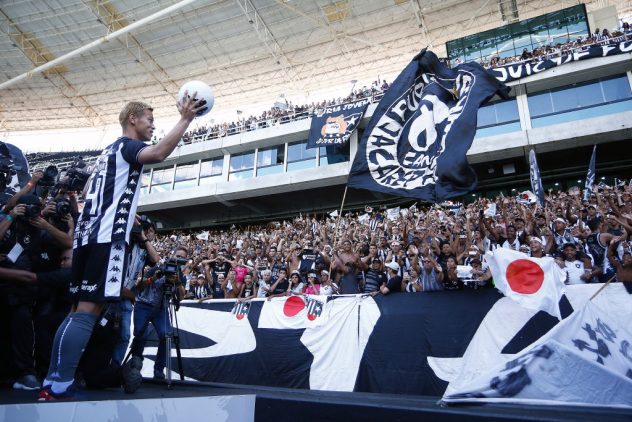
(280, 287)
(394, 283)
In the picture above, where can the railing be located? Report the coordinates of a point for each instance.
(563, 50)
(265, 123)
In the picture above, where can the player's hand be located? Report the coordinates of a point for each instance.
(189, 106)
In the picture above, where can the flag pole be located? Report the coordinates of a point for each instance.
(344, 196)
(603, 287)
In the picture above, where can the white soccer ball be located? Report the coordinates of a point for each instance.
(204, 92)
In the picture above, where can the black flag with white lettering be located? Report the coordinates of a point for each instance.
(420, 132)
(334, 125)
(536, 180)
(590, 177)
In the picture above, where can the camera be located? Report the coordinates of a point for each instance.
(76, 176)
(74, 179)
(32, 211)
(172, 266)
(62, 207)
(49, 178)
(145, 223)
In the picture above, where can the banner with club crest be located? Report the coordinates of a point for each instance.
(334, 125)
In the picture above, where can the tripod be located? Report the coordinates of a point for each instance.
(171, 331)
(168, 305)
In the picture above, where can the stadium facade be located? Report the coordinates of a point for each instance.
(269, 174)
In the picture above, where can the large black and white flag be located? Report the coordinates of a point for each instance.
(590, 177)
(536, 180)
(420, 132)
(334, 125)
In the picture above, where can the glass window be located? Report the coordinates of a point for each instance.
(270, 160)
(162, 176)
(186, 175)
(498, 112)
(521, 36)
(454, 49)
(299, 157)
(617, 88)
(510, 40)
(242, 165)
(540, 104)
(212, 167)
(242, 161)
(333, 154)
(580, 101)
(577, 22)
(486, 116)
(298, 151)
(211, 170)
(161, 180)
(144, 180)
(504, 44)
(186, 171)
(539, 31)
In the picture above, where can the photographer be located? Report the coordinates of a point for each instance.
(142, 253)
(53, 284)
(32, 244)
(149, 307)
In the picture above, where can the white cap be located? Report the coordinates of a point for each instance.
(393, 266)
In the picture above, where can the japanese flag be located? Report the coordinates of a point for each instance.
(293, 312)
(535, 283)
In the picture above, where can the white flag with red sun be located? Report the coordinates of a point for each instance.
(535, 283)
(294, 312)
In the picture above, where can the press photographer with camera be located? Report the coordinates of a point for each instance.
(150, 305)
(51, 308)
(142, 253)
(30, 243)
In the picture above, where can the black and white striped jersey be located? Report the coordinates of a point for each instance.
(112, 196)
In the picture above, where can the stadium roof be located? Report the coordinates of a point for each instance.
(248, 50)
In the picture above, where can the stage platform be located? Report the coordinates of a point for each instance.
(195, 401)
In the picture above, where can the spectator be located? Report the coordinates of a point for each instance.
(312, 287)
(394, 282)
(575, 264)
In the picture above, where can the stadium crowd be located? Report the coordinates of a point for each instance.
(418, 250)
(550, 51)
(281, 113)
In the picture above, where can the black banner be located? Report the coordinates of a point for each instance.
(334, 125)
(521, 70)
(416, 142)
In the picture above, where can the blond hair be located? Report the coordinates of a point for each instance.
(136, 108)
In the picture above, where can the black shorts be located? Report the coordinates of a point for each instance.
(98, 271)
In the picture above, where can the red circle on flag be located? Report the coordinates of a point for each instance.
(293, 305)
(524, 276)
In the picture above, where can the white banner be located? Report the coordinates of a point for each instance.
(586, 359)
(293, 312)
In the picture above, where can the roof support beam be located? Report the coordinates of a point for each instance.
(109, 16)
(264, 34)
(34, 50)
(97, 42)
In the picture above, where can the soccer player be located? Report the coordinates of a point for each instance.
(103, 233)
